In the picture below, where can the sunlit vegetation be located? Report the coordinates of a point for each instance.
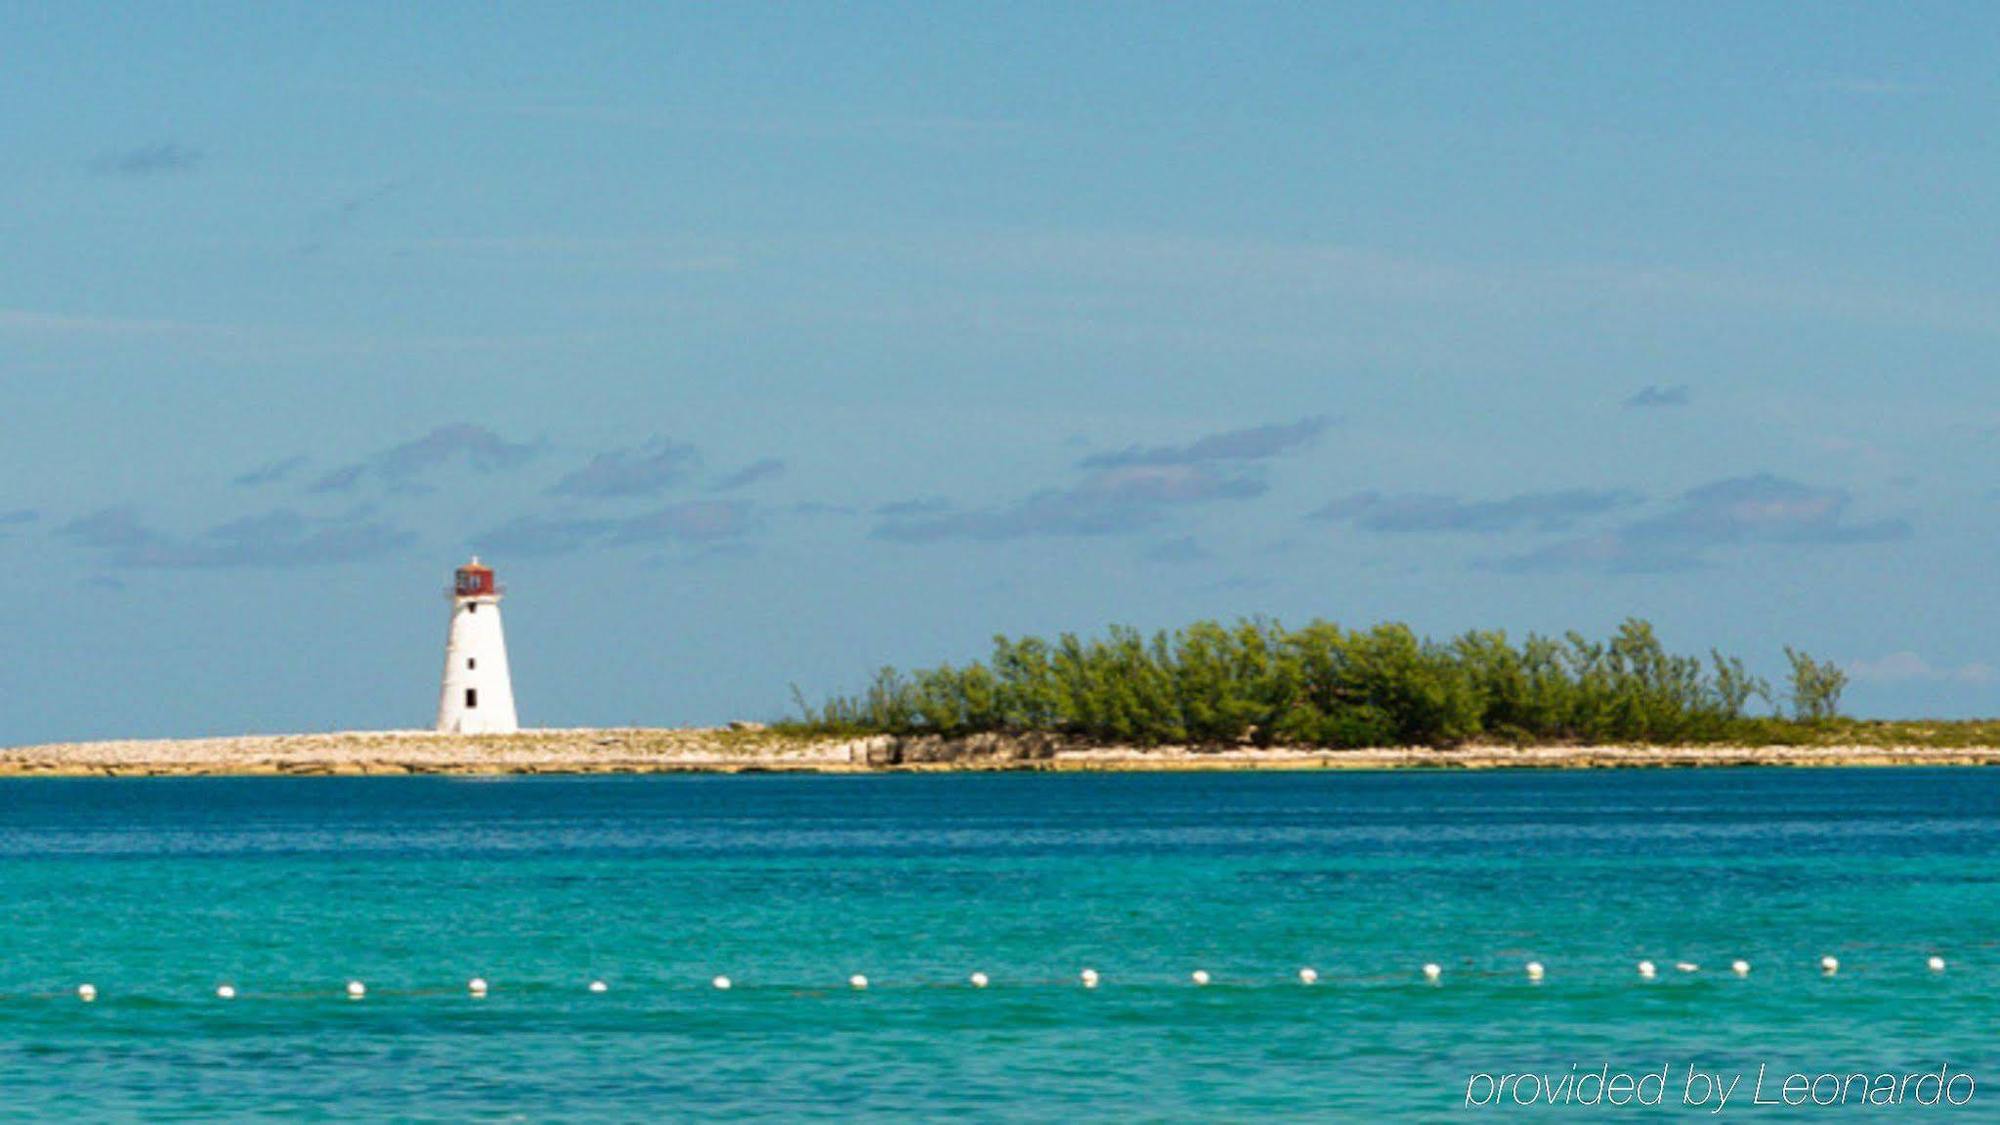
(1259, 683)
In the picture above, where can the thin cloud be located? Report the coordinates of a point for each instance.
(1653, 396)
(477, 446)
(1766, 509)
(543, 535)
(278, 539)
(333, 221)
(19, 517)
(1871, 87)
(821, 508)
(750, 474)
(1331, 275)
(643, 471)
(147, 161)
(695, 521)
(1609, 552)
(1177, 551)
(1908, 667)
(1124, 491)
(344, 212)
(1762, 510)
(1236, 584)
(402, 467)
(271, 472)
(918, 506)
(1252, 444)
(691, 523)
(1108, 502)
(343, 479)
(889, 128)
(1425, 512)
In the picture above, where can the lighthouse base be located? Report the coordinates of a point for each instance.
(477, 695)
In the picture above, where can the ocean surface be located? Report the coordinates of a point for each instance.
(157, 891)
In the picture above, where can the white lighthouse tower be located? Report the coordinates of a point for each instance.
(478, 695)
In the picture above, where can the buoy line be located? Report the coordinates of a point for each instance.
(1536, 972)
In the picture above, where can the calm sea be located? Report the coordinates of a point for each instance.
(156, 891)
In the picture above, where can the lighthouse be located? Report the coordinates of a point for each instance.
(478, 695)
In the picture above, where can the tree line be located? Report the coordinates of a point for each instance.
(1260, 683)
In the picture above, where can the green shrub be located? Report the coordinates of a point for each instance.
(1816, 687)
(1321, 685)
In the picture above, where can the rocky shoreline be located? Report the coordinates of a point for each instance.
(748, 748)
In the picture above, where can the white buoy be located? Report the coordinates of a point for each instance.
(1740, 967)
(723, 983)
(1535, 970)
(1936, 963)
(1308, 976)
(225, 992)
(1648, 970)
(1432, 972)
(476, 986)
(1089, 978)
(979, 980)
(857, 981)
(1686, 967)
(1199, 976)
(356, 990)
(1829, 965)
(86, 992)
(599, 986)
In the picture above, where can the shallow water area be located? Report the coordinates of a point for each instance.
(158, 891)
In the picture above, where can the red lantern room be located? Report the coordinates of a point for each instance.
(475, 581)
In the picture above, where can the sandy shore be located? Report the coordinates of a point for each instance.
(732, 750)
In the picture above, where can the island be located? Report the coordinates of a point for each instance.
(1252, 695)
(744, 749)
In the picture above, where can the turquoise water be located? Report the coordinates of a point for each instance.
(158, 890)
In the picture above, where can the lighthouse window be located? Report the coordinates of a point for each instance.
(473, 608)
(471, 662)
(471, 698)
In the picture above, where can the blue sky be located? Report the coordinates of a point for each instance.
(761, 345)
